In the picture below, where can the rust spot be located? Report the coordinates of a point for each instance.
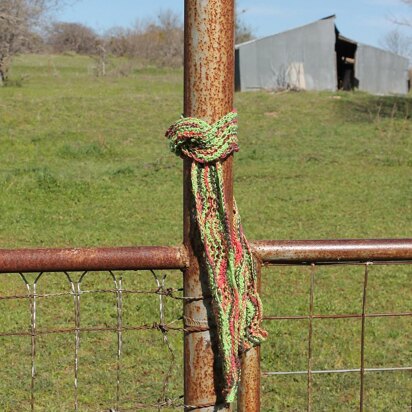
(200, 388)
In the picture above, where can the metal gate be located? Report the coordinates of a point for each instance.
(208, 94)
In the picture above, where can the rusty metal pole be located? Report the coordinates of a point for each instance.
(208, 94)
(249, 388)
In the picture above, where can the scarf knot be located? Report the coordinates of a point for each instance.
(204, 143)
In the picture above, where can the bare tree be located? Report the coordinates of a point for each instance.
(404, 20)
(101, 60)
(163, 40)
(243, 32)
(118, 41)
(397, 42)
(75, 37)
(19, 21)
(158, 42)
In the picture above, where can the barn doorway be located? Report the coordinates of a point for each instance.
(345, 55)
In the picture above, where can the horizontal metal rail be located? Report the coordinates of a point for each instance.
(332, 251)
(89, 259)
(340, 316)
(175, 257)
(332, 371)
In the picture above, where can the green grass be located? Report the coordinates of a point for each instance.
(84, 162)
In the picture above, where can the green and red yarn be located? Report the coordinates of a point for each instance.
(228, 258)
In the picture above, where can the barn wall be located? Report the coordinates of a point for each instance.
(380, 72)
(303, 58)
(246, 67)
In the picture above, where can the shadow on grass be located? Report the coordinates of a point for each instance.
(373, 108)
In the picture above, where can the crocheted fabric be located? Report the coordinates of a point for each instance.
(229, 262)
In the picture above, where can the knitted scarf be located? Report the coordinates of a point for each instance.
(228, 258)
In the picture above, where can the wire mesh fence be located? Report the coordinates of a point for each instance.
(91, 341)
(339, 338)
(112, 340)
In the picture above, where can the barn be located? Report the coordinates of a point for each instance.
(317, 57)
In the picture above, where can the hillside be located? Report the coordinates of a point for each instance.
(84, 162)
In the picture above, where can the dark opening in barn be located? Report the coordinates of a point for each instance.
(345, 56)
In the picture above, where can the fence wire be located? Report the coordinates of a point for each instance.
(167, 368)
(361, 341)
(160, 290)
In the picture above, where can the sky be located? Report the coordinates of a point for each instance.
(366, 21)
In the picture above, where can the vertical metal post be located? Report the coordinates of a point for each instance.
(310, 336)
(362, 360)
(249, 389)
(208, 94)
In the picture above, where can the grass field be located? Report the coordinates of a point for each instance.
(84, 162)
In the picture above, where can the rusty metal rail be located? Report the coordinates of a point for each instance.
(177, 257)
(81, 259)
(333, 251)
